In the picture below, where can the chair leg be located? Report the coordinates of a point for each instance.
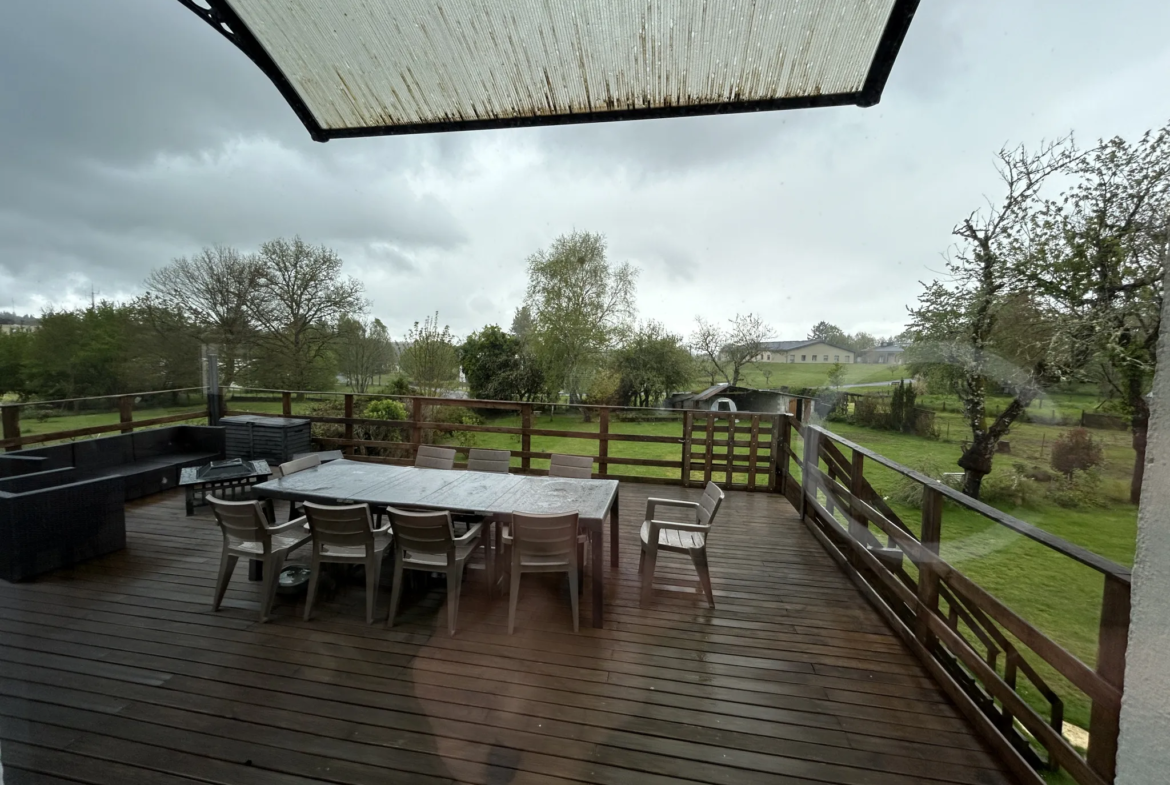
(272, 565)
(580, 562)
(513, 596)
(641, 560)
(574, 587)
(314, 574)
(373, 573)
(699, 557)
(489, 563)
(227, 565)
(651, 559)
(454, 584)
(395, 590)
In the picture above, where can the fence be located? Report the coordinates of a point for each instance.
(981, 652)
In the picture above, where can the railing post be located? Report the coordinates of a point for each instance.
(416, 416)
(730, 448)
(708, 447)
(688, 426)
(932, 500)
(349, 423)
(603, 441)
(1112, 641)
(10, 415)
(777, 471)
(286, 403)
(808, 464)
(526, 436)
(126, 413)
(782, 460)
(857, 521)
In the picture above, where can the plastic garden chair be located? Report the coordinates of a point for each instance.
(543, 543)
(432, 457)
(481, 460)
(675, 537)
(346, 535)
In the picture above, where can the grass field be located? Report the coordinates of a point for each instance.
(800, 375)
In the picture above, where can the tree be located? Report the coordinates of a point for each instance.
(727, 352)
(958, 322)
(429, 357)
(650, 364)
(836, 374)
(301, 298)
(499, 366)
(364, 350)
(580, 306)
(861, 342)
(1101, 263)
(829, 333)
(211, 296)
(523, 323)
(15, 349)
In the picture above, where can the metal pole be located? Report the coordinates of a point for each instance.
(214, 405)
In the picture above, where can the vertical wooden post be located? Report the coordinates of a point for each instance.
(688, 426)
(709, 448)
(10, 416)
(286, 403)
(603, 441)
(222, 403)
(349, 423)
(126, 413)
(526, 436)
(808, 486)
(932, 501)
(781, 447)
(416, 416)
(1112, 641)
(857, 520)
(753, 449)
(730, 448)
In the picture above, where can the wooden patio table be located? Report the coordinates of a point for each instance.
(481, 493)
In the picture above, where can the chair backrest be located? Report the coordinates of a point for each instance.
(431, 457)
(422, 532)
(340, 526)
(300, 464)
(576, 466)
(240, 521)
(547, 536)
(480, 460)
(709, 504)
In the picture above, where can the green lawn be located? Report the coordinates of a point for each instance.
(801, 375)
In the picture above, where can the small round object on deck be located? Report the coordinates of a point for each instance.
(294, 579)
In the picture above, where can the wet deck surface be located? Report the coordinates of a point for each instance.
(117, 672)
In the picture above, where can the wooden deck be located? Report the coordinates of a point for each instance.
(118, 672)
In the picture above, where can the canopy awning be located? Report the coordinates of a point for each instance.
(369, 67)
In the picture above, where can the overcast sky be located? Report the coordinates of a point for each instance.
(131, 133)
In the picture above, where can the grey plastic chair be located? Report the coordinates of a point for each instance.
(292, 467)
(543, 543)
(481, 460)
(346, 535)
(247, 532)
(675, 537)
(426, 541)
(431, 457)
(576, 466)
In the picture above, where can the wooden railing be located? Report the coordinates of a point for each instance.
(958, 629)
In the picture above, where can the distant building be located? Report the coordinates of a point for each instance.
(5, 329)
(803, 352)
(887, 354)
(728, 398)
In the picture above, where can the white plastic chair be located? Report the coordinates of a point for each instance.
(576, 466)
(426, 541)
(481, 460)
(346, 535)
(292, 467)
(543, 543)
(431, 457)
(675, 537)
(248, 533)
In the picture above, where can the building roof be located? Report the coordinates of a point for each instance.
(889, 348)
(787, 346)
(359, 68)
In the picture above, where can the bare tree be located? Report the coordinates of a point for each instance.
(429, 357)
(213, 294)
(727, 352)
(302, 297)
(364, 350)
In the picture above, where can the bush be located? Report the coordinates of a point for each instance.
(1074, 451)
(908, 491)
(1081, 488)
(1011, 488)
(457, 415)
(386, 409)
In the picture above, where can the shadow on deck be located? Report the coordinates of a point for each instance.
(117, 671)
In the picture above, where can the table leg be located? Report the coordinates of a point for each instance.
(255, 570)
(190, 500)
(613, 532)
(598, 577)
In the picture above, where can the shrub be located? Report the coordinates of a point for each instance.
(908, 491)
(457, 415)
(1074, 451)
(386, 409)
(1081, 488)
(1011, 488)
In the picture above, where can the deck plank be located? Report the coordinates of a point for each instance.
(117, 669)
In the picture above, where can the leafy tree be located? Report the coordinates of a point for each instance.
(862, 341)
(958, 322)
(429, 357)
(726, 352)
(210, 296)
(498, 366)
(580, 304)
(81, 353)
(651, 364)
(15, 349)
(1102, 263)
(829, 333)
(836, 374)
(300, 300)
(523, 323)
(364, 350)
(1075, 450)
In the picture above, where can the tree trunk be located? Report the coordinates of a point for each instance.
(1139, 422)
(976, 463)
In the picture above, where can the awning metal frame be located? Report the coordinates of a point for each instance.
(224, 20)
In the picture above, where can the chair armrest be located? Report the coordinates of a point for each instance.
(654, 502)
(472, 532)
(686, 527)
(382, 529)
(295, 523)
